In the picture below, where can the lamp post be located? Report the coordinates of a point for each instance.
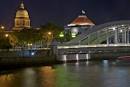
(2, 27)
(6, 35)
(49, 38)
(61, 35)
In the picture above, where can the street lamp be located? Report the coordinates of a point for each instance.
(6, 35)
(49, 38)
(61, 35)
(49, 33)
(2, 27)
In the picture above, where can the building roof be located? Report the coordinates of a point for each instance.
(81, 20)
(22, 12)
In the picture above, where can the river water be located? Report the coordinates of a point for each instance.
(83, 74)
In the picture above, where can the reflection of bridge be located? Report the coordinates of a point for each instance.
(110, 38)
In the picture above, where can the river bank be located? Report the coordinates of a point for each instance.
(11, 63)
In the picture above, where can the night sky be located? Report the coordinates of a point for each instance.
(62, 12)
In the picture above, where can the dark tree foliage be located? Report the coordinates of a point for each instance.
(27, 35)
(4, 43)
(50, 27)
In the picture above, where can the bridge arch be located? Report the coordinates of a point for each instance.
(117, 32)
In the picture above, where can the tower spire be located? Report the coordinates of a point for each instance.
(22, 4)
(83, 12)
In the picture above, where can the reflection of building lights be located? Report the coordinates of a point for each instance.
(77, 63)
(105, 63)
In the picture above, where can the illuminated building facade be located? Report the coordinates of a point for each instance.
(22, 19)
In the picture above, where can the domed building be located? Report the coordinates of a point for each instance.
(22, 19)
(79, 24)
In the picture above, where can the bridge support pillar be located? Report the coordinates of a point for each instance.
(116, 36)
(128, 37)
(88, 56)
(77, 57)
(64, 57)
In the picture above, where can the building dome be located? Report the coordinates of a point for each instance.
(22, 12)
(22, 19)
(81, 20)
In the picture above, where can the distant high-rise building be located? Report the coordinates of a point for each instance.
(22, 19)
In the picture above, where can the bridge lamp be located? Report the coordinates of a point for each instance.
(122, 25)
(114, 28)
(121, 31)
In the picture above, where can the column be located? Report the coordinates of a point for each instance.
(125, 36)
(88, 56)
(77, 57)
(107, 37)
(116, 36)
(128, 36)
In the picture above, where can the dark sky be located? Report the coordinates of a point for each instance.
(63, 12)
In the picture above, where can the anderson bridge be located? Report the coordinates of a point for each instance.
(106, 41)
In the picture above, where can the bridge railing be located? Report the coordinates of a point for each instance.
(88, 46)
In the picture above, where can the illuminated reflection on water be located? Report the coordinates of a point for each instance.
(86, 74)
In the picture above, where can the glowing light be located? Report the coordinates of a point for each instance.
(49, 33)
(2, 27)
(73, 35)
(29, 44)
(87, 56)
(77, 57)
(114, 28)
(61, 34)
(6, 35)
(122, 25)
(83, 12)
(33, 53)
(75, 30)
(64, 58)
(121, 31)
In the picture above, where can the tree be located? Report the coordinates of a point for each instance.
(54, 31)
(50, 27)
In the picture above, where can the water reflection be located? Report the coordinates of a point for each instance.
(48, 77)
(83, 74)
(29, 78)
(6, 80)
